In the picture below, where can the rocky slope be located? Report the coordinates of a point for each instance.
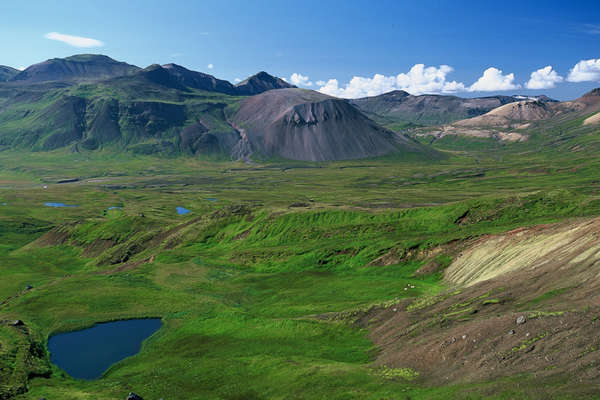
(525, 301)
(306, 125)
(589, 102)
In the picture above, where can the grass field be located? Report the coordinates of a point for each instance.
(248, 281)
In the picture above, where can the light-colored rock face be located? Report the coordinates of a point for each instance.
(524, 111)
(594, 119)
(503, 122)
(511, 114)
(480, 133)
(572, 247)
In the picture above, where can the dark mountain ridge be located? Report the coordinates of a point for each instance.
(199, 80)
(7, 73)
(260, 83)
(81, 67)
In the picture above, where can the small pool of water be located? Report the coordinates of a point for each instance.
(182, 211)
(115, 207)
(87, 353)
(210, 199)
(50, 204)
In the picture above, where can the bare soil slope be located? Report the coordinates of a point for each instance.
(510, 121)
(526, 301)
(507, 115)
(594, 119)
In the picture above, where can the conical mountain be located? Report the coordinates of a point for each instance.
(260, 83)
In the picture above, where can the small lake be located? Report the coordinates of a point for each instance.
(211, 199)
(59, 205)
(87, 353)
(182, 211)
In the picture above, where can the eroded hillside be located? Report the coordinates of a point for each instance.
(525, 301)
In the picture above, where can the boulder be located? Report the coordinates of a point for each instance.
(521, 320)
(133, 396)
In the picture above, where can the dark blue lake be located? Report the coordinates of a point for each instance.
(87, 353)
(182, 211)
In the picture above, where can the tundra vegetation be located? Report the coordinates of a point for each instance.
(272, 290)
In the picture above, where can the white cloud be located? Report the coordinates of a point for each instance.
(300, 80)
(543, 78)
(236, 80)
(585, 71)
(492, 80)
(592, 29)
(75, 41)
(210, 66)
(320, 83)
(21, 68)
(418, 80)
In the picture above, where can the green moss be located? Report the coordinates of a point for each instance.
(543, 314)
(408, 374)
(526, 343)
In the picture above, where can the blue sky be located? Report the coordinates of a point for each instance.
(375, 42)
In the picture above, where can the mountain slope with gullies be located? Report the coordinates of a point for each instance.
(305, 125)
(171, 110)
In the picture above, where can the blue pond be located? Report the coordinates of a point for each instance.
(182, 211)
(87, 353)
(60, 205)
(114, 208)
(210, 199)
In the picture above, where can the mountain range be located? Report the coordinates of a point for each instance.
(431, 109)
(94, 103)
